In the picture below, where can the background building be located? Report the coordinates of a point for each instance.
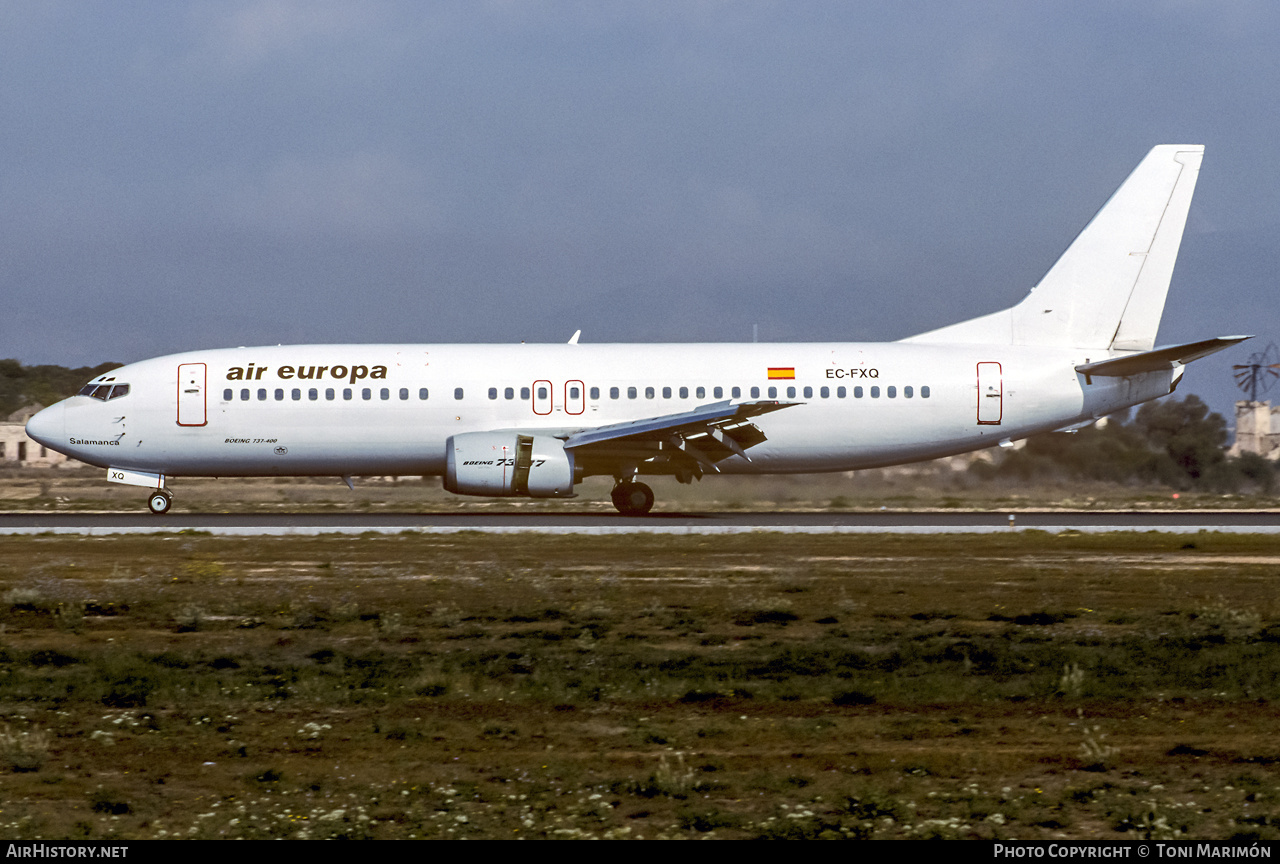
(17, 449)
(1257, 430)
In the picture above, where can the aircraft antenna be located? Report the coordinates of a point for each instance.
(1257, 375)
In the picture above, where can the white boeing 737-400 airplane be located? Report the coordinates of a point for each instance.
(534, 420)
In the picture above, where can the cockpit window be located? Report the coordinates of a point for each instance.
(104, 392)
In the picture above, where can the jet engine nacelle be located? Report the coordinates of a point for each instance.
(508, 464)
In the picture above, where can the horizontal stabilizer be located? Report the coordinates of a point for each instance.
(1160, 359)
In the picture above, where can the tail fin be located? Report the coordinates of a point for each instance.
(1108, 289)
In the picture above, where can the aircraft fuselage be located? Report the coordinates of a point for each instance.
(389, 409)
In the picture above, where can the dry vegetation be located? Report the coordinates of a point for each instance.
(1021, 686)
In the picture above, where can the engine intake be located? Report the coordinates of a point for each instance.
(508, 464)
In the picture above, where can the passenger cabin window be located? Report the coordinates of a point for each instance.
(924, 392)
(666, 392)
(735, 393)
(595, 393)
(875, 392)
(632, 392)
(524, 393)
(457, 392)
(717, 392)
(755, 392)
(297, 394)
(684, 392)
(244, 395)
(384, 394)
(346, 393)
(279, 395)
(404, 394)
(262, 395)
(613, 393)
(227, 395)
(329, 393)
(840, 391)
(313, 394)
(509, 393)
(907, 392)
(700, 393)
(422, 393)
(892, 392)
(857, 392)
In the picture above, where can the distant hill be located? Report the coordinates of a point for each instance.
(27, 385)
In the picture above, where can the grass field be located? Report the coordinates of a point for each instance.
(1014, 686)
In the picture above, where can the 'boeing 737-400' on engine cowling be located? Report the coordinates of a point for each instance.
(534, 420)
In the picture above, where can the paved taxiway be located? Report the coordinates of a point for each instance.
(248, 524)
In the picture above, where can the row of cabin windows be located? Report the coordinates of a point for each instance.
(908, 392)
(366, 393)
(330, 394)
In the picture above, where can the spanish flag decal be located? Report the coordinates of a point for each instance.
(781, 372)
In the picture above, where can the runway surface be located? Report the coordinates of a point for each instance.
(883, 522)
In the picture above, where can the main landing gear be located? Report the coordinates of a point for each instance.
(632, 498)
(160, 502)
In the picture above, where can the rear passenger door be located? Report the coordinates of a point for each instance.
(990, 394)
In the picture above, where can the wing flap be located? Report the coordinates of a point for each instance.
(696, 425)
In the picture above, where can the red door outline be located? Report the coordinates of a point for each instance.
(192, 389)
(548, 403)
(572, 405)
(990, 394)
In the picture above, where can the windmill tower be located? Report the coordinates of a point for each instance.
(1255, 420)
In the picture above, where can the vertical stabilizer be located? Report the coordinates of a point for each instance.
(1108, 289)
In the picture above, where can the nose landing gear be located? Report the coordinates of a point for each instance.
(160, 502)
(632, 498)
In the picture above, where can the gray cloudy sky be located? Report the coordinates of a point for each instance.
(178, 175)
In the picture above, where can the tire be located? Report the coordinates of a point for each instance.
(160, 502)
(632, 499)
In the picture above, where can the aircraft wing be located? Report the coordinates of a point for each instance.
(705, 435)
(1158, 359)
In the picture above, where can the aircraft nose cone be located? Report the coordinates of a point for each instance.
(48, 427)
